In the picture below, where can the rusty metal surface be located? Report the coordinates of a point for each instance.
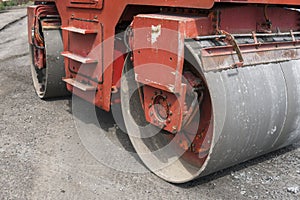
(252, 111)
(253, 49)
(164, 109)
(213, 62)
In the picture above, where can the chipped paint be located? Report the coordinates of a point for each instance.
(155, 33)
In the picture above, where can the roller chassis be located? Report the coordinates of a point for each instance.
(228, 88)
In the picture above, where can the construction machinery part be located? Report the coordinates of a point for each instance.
(204, 84)
(252, 114)
(48, 81)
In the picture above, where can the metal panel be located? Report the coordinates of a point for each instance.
(98, 4)
(285, 2)
(159, 47)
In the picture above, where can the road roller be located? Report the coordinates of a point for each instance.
(203, 84)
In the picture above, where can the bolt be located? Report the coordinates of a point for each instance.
(168, 120)
(169, 104)
(174, 129)
(96, 17)
(170, 113)
(150, 105)
(155, 93)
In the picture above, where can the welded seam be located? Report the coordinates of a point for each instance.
(12, 22)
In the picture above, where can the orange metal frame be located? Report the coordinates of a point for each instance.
(101, 18)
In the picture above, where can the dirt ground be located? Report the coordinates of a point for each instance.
(42, 156)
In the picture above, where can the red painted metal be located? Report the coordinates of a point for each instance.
(78, 16)
(87, 23)
(195, 136)
(164, 109)
(92, 4)
(285, 2)
(94, 55)
(119, 59)
(36, 19)
(159, 47)
(253, 18)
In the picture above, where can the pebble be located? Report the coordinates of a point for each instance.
(294, 189)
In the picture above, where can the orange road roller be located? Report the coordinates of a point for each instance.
(203, 84)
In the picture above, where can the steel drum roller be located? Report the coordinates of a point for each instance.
(255, 111)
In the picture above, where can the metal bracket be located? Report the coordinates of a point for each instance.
(229, 38)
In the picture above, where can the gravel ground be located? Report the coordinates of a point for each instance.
(42, 156)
